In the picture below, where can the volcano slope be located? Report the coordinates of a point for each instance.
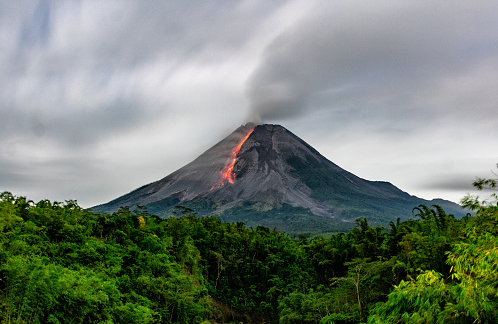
(265, 175)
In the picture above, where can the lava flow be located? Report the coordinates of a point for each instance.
(227, 171)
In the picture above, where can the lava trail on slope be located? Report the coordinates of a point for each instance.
(226, 174)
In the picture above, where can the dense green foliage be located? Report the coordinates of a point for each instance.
(62, 264)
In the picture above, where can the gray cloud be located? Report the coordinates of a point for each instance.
(79, 69)
(458, 182)
(36, 28)
(384, 56)
(100, 97)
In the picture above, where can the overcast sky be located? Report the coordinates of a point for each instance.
(99, 97)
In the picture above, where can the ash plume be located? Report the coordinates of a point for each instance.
(290, 70)
(364, 59)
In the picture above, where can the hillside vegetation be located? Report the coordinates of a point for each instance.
(60, 263)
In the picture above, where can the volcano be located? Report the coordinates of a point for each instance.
(265, 175)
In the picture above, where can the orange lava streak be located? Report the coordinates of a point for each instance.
(227, 171)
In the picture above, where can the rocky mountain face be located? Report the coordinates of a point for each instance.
(266, 175)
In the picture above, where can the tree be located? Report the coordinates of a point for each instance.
(470, 294)
(356, 274)
(473, 203)
(8, 211)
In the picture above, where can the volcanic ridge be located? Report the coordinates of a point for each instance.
(265, 175)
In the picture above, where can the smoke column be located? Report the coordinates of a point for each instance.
(290, 69)
(354, 56)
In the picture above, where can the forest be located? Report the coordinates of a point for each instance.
(60, 263)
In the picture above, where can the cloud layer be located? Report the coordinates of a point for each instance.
(386, 56)
(98, 98)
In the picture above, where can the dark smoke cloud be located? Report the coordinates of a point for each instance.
(276, 100)
(358, 54)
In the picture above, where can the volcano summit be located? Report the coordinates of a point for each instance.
(266, 175)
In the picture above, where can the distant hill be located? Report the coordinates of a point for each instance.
(265, 175)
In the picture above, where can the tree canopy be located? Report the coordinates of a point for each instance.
(60, 263)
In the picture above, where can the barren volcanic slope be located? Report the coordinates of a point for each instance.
(265, 175)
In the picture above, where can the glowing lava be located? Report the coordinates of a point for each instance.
(227, 171)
